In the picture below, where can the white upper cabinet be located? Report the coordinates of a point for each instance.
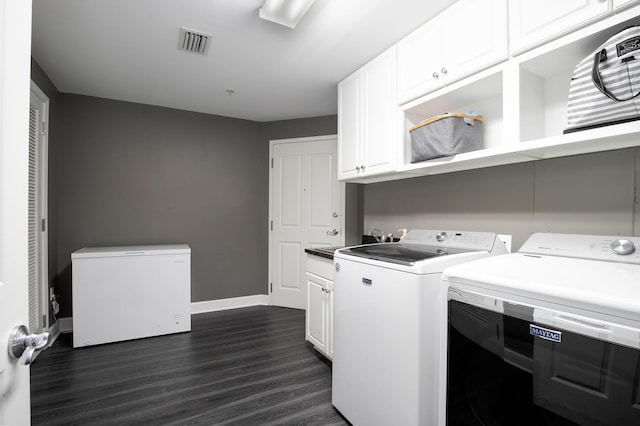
(533, 22)
(469, 36)
(619, 4)
(420, 61)
(349, 125)
(367, 119)
(459, 62)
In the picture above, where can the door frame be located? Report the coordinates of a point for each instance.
(272, 144)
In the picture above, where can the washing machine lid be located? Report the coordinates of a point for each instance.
(423, 245)
(402, 254)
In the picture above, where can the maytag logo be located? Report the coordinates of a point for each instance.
(545, 333)
(628, 45)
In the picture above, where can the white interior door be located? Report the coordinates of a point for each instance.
(15, 48)
(307, 210)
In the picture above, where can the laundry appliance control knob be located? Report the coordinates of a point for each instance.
(622, 246)
(441, 236)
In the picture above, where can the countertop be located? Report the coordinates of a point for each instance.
(326, 252)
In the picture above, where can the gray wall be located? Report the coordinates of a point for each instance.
(132, 174)
(590, 194)
(136, 174)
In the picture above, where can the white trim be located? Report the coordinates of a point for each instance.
(66, 323)
(54, 333)
(231, 303)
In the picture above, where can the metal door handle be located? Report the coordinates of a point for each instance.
(23, 345)
(332, 233)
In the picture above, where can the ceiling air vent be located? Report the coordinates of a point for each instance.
(194, 41)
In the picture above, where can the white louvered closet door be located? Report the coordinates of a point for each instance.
(35, 324)
(38, 281)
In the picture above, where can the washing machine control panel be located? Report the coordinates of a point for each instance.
(596, 247)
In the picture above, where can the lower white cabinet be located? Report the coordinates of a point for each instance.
(319, 315)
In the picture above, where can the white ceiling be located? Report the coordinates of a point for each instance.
(128, 50)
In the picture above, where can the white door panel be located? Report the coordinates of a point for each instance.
(306, 207)
(15, 45)
(321, 175)
(481, 23)
(349, 118)
(533, 22)
(379, 112)
(290, 192)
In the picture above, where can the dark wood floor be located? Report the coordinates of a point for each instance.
(244, 366)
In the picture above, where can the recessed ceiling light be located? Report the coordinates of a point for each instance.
(285, 12)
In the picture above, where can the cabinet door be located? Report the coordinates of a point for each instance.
(475, 37)
(532, 22)
(420, 61)
(316, 321)
(349, 117)
(618, 4)
(379, 114)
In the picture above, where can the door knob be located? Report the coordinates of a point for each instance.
(332, 233)
(23, 345)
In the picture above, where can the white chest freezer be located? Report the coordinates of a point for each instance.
(123, 293)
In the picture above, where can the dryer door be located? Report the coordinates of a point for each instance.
(507, 365)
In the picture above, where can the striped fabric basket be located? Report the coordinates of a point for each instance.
(605, 86)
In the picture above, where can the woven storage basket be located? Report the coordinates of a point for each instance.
(445, 135)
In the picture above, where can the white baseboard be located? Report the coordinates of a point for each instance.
(66, 323)
(231, 303)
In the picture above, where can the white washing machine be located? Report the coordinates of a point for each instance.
(547, 335)
(388, 305)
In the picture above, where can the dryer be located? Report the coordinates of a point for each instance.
(388, 305)
(547, 335)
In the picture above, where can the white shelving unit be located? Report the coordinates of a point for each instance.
(524, 103)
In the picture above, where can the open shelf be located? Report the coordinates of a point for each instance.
(482, 93)
(545, 74)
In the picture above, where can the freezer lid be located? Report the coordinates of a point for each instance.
(126, 251)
